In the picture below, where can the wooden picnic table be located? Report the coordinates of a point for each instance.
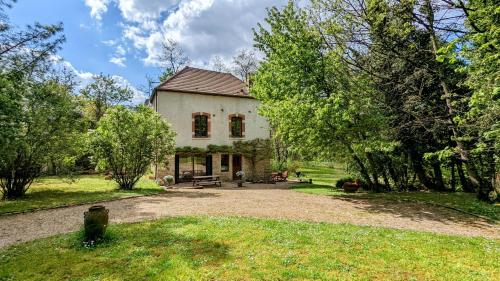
(210, 178)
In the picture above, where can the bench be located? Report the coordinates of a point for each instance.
(209, 183)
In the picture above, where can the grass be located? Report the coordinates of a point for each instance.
(201, 248)
(51, 192)
(323, 174)
(324, 179)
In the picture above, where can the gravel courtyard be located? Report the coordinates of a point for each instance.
(263, 201)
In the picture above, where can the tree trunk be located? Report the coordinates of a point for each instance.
(362, 168)
(453, 177)
(474, 179)
(392, 173)
(375, 175)
(438, 176)
(387, 183)
(14, 187)
(418, 168)
(466, 187)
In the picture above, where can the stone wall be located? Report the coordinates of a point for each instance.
(168, 168)
(261, 172)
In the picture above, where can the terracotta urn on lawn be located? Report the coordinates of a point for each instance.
(96, 221)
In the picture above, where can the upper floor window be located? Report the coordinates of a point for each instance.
(236, 127)
(201, 125)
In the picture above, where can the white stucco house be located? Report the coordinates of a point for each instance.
(208, 108)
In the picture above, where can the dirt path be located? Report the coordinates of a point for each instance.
(264, 201)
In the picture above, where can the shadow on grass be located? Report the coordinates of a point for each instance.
(416, 211)
(405, 206)
(138, 251)
(161, 240)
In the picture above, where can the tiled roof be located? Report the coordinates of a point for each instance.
(200, 81)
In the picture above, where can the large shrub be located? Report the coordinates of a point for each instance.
(128, 141)
(39, 124)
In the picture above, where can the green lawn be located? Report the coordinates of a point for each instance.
(201, 248)
(53, 192)
(326, 174)
(324, 179)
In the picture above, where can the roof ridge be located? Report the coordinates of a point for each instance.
(192, 80)
(209, 70)
(173, 76)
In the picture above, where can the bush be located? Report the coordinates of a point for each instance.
(127, 142)
(293, 166)
(39, 125)
(343, 180)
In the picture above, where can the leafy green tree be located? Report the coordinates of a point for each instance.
(40, 124)
(39, 118)
(397, 44)
(481, 47)
(104, 92)
(128, 141)
(27, 49)
(317, 105)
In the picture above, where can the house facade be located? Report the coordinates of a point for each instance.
(209, 109)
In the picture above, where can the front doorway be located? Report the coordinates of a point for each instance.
(236, 165)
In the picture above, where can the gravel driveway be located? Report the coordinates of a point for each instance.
(264, 201)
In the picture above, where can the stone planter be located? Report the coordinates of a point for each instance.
(96, 221)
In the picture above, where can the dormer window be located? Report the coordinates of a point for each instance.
(237, 125)
(201, 125)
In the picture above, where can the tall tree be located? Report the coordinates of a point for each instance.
(39, 119)
(481, 47)
(44, 126)
(245, 64)
(318, 105)
(217, 64)
(104, 92)
(172, 58)
(399, 44)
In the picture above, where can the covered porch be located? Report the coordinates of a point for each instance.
(186, 166)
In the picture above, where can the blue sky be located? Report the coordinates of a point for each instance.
(123, 37)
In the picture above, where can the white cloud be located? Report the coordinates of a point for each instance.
(118, 57)
(97, 8)
(120, 61)
(120, 50)
(109, 42)
(145, 11)
(138, 95)
(204, 28)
